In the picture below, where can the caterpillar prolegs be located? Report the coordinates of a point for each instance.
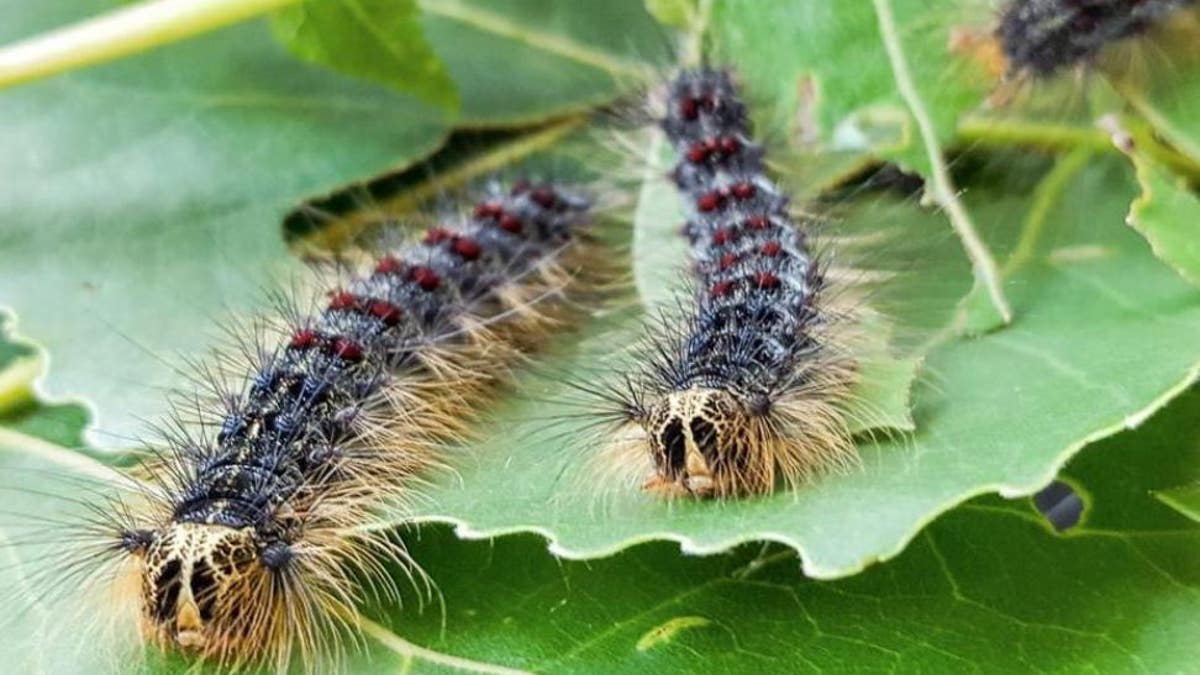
(250, 537)
(747, 388)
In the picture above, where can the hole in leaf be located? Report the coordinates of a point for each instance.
(1060, 505)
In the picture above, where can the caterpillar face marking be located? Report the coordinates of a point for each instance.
(749, 387)
(1041, 37)
(698, 440)
(198, 581)
(247, 542)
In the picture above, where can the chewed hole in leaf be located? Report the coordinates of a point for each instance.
(1060, 505)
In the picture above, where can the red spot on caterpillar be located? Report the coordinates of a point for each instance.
(728, 260)
(757, 222)
(729, 145)
(388, 265)
(744, 190)
(724, 236)
(488, 210)
(384, 311)
(425, 277)
(698, 152)
(303, 339)
(708, 201)
(689, 108)
(346, 349)
(467, 248)
(771, 248)
(437, 235)
(766, 280)
(721, 289)
(544, 197)
(342, 300)
(510, 223)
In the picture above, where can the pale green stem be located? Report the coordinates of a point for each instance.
(941, 187)
(496, 23)
(1002, 132)
(403, 647)
(1045, 197)
(122, 32)
(693, 45)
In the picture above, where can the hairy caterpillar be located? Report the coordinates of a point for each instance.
(748, 387)
(247, 542)
(1041, 37)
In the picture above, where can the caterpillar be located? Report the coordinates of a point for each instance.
(1041, 37)
(748, 386)
(249, 544)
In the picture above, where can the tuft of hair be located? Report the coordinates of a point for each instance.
(247, 541)
(1042, 37)
(747, 388)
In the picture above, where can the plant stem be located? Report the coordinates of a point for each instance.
(1068, 137)
(1045, 197)
(693, 45)
(121, 32)
(941, 187)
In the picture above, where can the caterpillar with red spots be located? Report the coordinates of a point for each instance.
(1042, 37)
(747, 389)
(248, 543)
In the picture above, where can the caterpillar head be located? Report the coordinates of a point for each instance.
(199, 584)
(702, 444)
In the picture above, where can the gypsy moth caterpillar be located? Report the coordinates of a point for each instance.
(247, 540)
(1042, 37)
(748, 387)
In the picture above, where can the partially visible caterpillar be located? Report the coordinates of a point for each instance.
(1041, 37)
(248, 546)
(749, 388)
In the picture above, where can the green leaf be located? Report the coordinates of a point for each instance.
(673, 13)
(859, 104)
(988, 587)
(659, 249)
(1001, 412)
(162, 254)
(1167, 214)
(884, 392)
(141, 201)
(380, 40)
(902, 102)
(524, 61)
(1184, 499)
(1159, 77)
(330, 222)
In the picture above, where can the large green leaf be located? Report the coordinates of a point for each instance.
(894, 91)
(1184, 499)
(521, 61)
(141, 200)
(1159, 77)
(836, 52)
(377, 39)
(1001, 412)
(1167, 214)
(989, 587)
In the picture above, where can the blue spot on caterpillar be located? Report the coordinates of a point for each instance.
(248, 543)
(747, 388)
(1041, 37)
